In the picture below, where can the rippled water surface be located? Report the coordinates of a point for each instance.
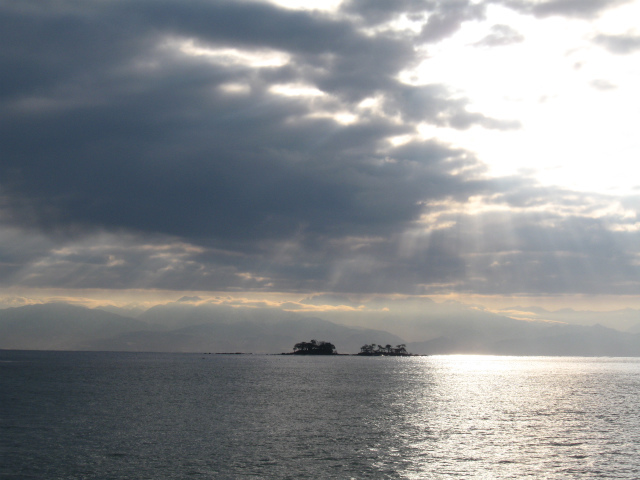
(121, 415)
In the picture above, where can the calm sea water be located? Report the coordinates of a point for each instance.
(136, 416)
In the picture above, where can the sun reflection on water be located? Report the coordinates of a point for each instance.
(515, 417)
(440, 417)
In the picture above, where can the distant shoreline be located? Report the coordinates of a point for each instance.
(320, 354)
(352, 354)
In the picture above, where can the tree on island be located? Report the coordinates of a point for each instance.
(379, 350)
(314, 347)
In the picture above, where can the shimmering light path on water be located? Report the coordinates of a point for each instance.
(115, 415)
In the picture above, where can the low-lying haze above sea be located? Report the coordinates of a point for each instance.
(195, 325)
(91, 415)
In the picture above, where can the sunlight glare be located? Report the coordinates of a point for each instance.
(577, 103)
(231, 56)
(326, 5)
(296, 90)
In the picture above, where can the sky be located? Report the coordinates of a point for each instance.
(481, 151)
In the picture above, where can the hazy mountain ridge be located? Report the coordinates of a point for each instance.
(246, 336)
(627, 319)
(179, 315)
(559, 340)
(186, 327)
(430, 320)
(574, 341)
(60, 326)
(206, 328)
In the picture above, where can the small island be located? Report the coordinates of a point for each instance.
(373, 350)
(314, 347)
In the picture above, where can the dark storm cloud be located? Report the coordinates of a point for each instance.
(440, 19)
(127, 163)
(553, 251)
(549, 242)
(559, 246)
(561, 249)
(18, 249)
(549, 256)
(620, 44)
(434, 104)
(104, 126)
(448, 17)
(443, 18)
(381, 11)
(122, 261)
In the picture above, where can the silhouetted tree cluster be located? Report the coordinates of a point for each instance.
(373, 350)
(314, 347)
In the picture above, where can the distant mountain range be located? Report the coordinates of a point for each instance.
(174, 328)
(626, 319)
(186, 327)
(525, 338)
(59, 326)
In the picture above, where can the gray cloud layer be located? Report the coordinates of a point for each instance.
(128, 163)
(620, 44)
(567, 8)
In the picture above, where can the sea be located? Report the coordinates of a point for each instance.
(92, 415)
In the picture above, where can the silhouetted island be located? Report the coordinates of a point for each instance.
(374, 350)
(314, 347)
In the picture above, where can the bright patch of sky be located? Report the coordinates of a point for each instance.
(308, 5)
(229, 56)
(578, 104)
